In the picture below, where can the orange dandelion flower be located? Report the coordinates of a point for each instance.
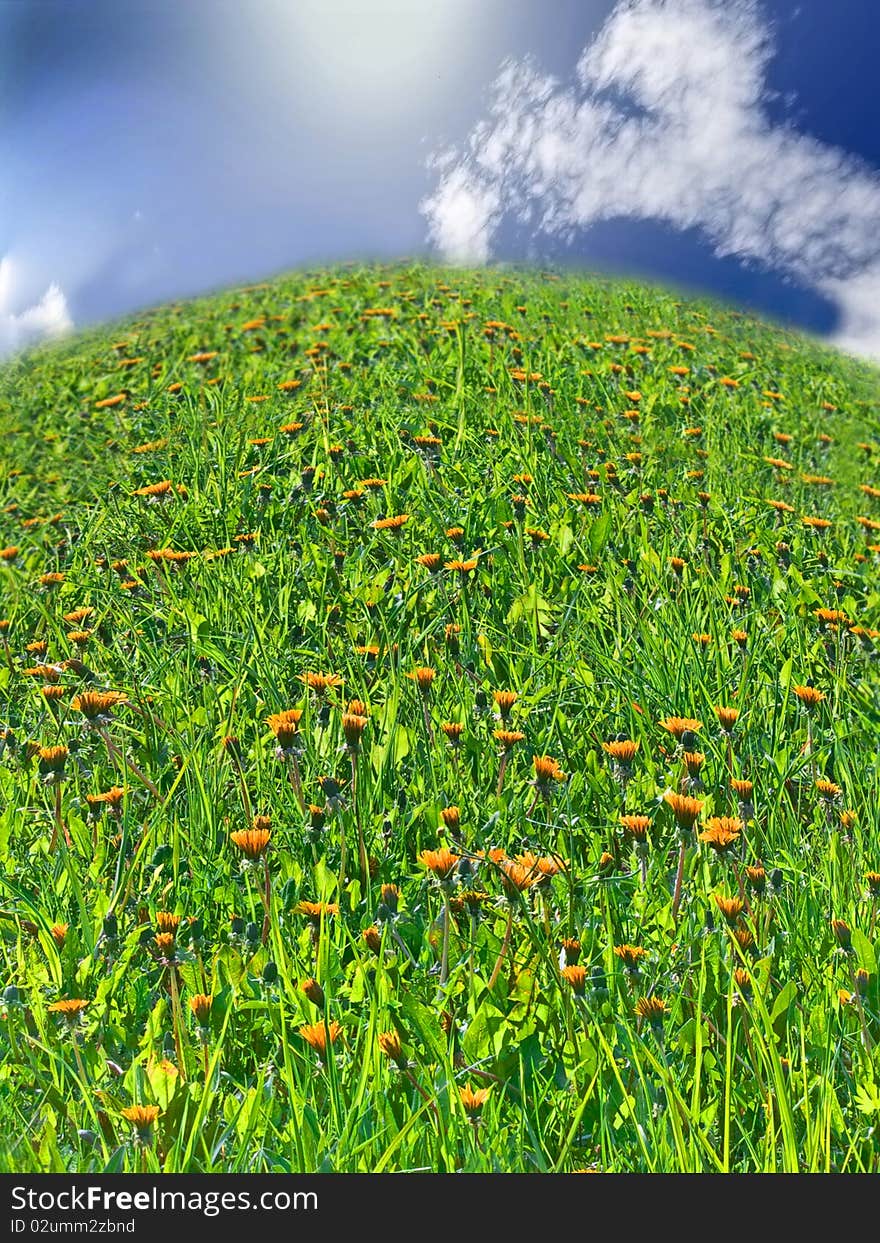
(111, 798)
(756, 878)
(504, 701)
(722, 833)
(423, 677)
(576, 977)
(809, 696)
(831, 617)
(316, 911)
(165, 945)
(516, 878)
(321, 682)
(200, 1005)
(71, 1008)
(353, 728)
(622, 751)
(636, 827)
(727, 718)
(166, 921)
(694, 761)
(743, 981)
(98, 706)
(390, 1044)
(652, 1010)
(731, 908)
(678, 726)
(631, 956)
(571, 949)
(453, 731)
(686, 810)
(50, 673)
(393, 524)
(451, 817)
(253, 843)
(440, 863)
(473, 1100)
(285, 726)
(546, 770)
(319, 1036)
(163, 490)
(142, 1118)
(52, 762)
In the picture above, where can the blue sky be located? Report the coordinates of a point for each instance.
(151, 150)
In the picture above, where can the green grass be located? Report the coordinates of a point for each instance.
(774, 1069)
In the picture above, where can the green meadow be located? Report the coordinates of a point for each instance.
(440, 723)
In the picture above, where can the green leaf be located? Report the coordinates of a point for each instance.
(784, 998)
(164, 1079)
(864, 951)
(785, 674)
(599, 533)
(868, 1098)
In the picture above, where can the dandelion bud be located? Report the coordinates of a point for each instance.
(314, 992)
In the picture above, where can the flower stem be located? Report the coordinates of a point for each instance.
(866, 1035)
(679, 877)
(176, 1020)
(267, 899)
(502, 769)
(444, 958)
(427, 719)
(502, 952)
(116, 754)
(296, 782)
(362, 849)
(245, 797)
(59, 823)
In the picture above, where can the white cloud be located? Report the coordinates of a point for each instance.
(463, 213)
(858, 300)
(666, 121)
(49, 317)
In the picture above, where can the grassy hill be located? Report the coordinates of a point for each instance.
(441, 717)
